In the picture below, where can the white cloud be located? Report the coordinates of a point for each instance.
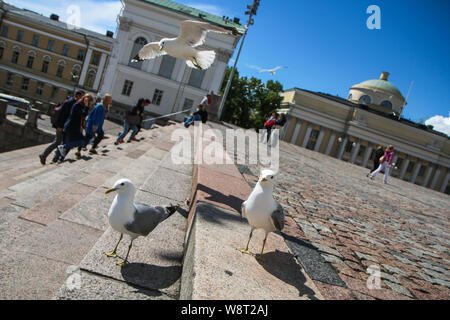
(440, 123)
(98, 16)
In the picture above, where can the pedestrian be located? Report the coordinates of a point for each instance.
(94, 123)
(200, 115)
(59, 120)
(73, 128)
(269, 124)
(385, 163)
(132, 120)
(379, 152)
(139, 126)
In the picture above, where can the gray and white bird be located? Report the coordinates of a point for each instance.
(192, 34)
(272, 71)
(261, 209)
(134, 219)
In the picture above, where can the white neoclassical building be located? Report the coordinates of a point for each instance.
(351, 129)
(168, 82)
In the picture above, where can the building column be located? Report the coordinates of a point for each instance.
(307, 136)
(355, 152)
(298, 126)
(101, 66)
(436, 177)
(286, 125)
(416, 172)
(330, 143)
(87, 60)
(342, 148)
(427, 176)
(319, 140)
(403, 170)
(367, 155)
(445, 183)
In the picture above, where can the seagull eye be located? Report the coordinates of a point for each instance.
(271, 177)
(122, 184)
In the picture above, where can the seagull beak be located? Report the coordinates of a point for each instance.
(160, 47)
(263, 180)
(110, 190)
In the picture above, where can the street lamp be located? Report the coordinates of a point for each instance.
(251, 12)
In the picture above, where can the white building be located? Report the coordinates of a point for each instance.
(168, 82)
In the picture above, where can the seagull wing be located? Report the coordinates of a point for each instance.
(149, 51)
(193, 33)
(264, 70)
(277, 217)
(146, 218)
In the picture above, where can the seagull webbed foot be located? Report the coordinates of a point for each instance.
(110, 254)
(121, 263)
(259, 257)
(246, 251)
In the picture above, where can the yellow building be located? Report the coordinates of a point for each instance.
(351, 129)
(44, 60)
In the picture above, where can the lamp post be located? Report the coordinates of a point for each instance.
(251, 11)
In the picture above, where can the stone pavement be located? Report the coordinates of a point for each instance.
(339, 223)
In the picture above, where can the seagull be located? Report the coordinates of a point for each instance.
(262, 210)
(192, 34)
(272, 71)
(134, 219)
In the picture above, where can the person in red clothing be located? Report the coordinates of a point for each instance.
(269, 124)
(385, 163)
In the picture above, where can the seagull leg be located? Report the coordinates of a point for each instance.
(123, 262)
(113, 253)
(260, 256)
(248, 242)
(196, 63)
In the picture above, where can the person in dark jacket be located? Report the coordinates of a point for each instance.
(73, 128)
(281, 121)
(94, 123)
(269, 124)
(59, 135)
(200, 115)
(139, 126)
(137, 110)
(379, 152)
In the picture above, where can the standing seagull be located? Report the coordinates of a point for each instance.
(192, 34)
(134, 219)
(272, 71)
(261, 209)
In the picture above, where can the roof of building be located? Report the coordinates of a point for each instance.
(384, 85)
(43, 20)
(366, 108)
(192, 12)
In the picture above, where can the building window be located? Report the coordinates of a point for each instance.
(386, 104)
(75, 73)
(422, 171)
(365, 99)
(138, 44)
(399, 162)
(15, 56)
(54, 92)
(39, 88)
(410, 167)
(157, 96)
(65, 50)
(9, 79)
(35, 41)
(127, 86)
(95, 59)
(80, 55)
(196, 78)
(19, 35)
(45, 64)
(60, 70)
(50, 45)
(167, 65)
(90, 79)
(5, 31)
(25, 83)
(362, 150)
(312, 139)
(349, 146)
(30, 61)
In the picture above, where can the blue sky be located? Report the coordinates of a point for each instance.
(326, 44)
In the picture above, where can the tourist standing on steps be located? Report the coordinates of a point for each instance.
(200, 115)
(379, 152)
(132, 120)
(139, 126)
(58, 124)
(385, 163)
(73, 128)
(94, 123)
(269, 124)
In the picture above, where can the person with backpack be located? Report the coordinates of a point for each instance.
(73, 128)
(385, 163)
(94, 123)
(58, 118)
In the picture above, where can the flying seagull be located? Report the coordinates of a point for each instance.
(192, 34)
(262, 210)
(272, 71)
(134, 219)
